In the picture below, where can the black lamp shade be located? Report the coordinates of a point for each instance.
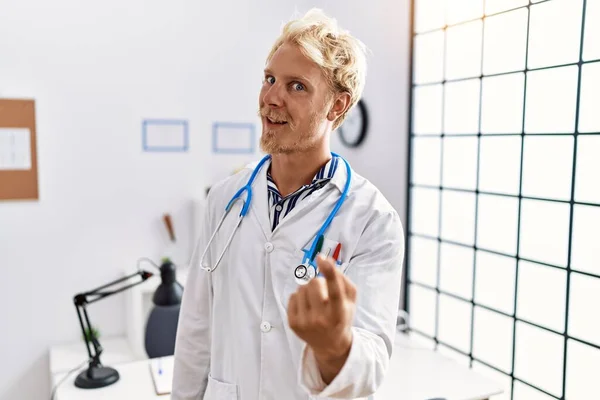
(169, 292)
(161, 327)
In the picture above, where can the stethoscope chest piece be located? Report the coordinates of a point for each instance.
(304, 273)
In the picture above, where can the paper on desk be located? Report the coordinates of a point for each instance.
(15, 149)
(161, 370)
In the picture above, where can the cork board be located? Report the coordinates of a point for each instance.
(18, 156)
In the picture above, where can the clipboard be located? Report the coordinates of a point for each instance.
(161, 370)
(17, 118)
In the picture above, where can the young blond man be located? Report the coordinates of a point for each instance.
(249, 329)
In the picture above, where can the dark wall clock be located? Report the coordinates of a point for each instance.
(353, 130)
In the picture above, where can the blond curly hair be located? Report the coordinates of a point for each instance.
(341, 56)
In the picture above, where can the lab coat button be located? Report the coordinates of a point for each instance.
(265, 326)
(279, 208)
(269, 247)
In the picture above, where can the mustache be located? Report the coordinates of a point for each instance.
(268, 113)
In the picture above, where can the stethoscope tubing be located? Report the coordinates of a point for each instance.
(246, 205)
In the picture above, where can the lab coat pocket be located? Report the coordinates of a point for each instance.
(217, 390)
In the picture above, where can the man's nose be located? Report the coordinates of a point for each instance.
(273, 96)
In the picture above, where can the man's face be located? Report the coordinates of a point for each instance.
(294, 102)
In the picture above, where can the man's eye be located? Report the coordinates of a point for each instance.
(298, 86)
(270, 79)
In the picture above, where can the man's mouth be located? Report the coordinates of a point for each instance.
(276, 121)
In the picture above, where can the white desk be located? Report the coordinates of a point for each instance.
(415, 373)
(135, 382)
(65, 357)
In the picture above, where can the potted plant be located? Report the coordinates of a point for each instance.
(90, 333)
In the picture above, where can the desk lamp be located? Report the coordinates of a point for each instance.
(97, 375)
(168, 293)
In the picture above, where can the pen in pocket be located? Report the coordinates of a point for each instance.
(336, 254)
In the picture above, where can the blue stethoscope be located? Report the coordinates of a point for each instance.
(307, 269)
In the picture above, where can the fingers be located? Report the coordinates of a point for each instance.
(298, 309)
(308, 300)
(303, 300)
(333, 277)
(350, 290)
(317, 293)
(322, 301)
(326, 266)
(293, 308)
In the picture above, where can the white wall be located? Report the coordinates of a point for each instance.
(96, 70)
(384, 27)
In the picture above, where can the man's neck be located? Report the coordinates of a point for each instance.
(292, 171)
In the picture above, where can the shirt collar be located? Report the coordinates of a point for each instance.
(326, 172)
(340, 176)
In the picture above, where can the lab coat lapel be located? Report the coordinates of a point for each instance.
(260, 205)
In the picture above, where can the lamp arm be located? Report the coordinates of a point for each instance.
(83, 325)
(96, 294)
(95, 359)
(81, 300)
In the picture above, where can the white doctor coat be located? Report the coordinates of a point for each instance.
(233, 339)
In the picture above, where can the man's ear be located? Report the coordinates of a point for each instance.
(341, 102)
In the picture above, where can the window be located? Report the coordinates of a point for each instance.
(504, 195)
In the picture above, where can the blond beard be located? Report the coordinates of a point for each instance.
(271, 143)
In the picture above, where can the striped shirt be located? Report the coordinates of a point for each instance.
(279, 206)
